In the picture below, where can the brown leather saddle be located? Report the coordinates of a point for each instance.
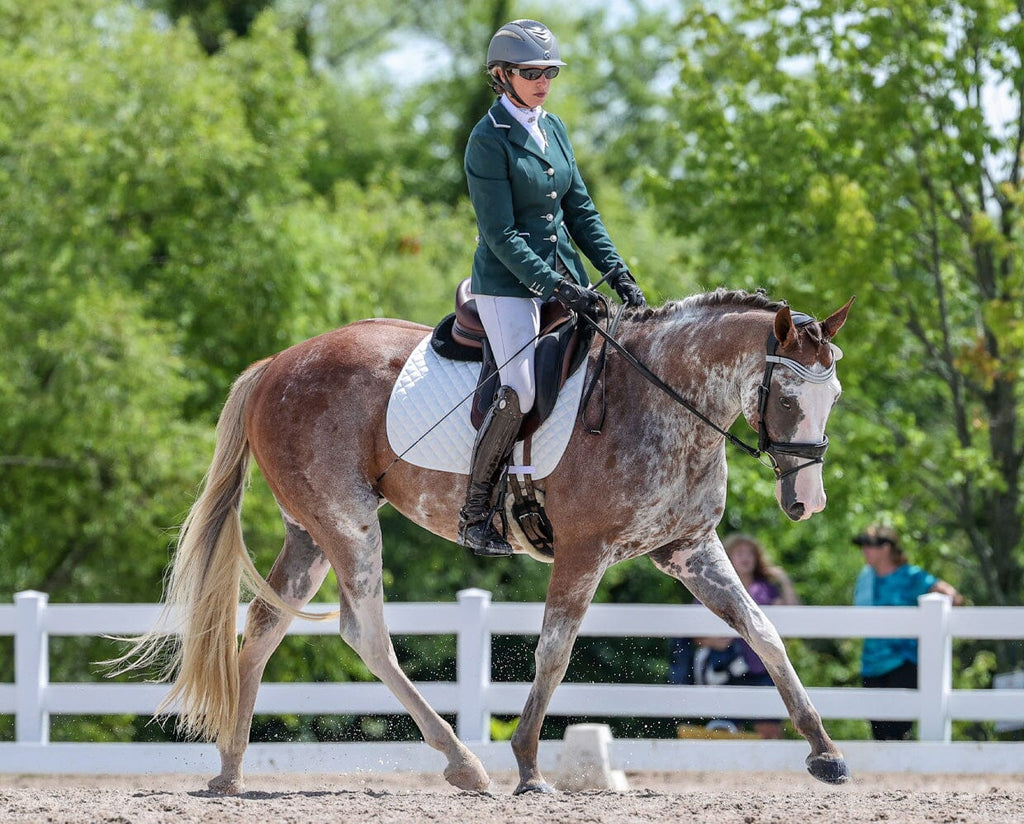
(562, 347)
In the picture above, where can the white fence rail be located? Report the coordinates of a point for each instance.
(473, 697)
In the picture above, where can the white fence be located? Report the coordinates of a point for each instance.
(473, 697)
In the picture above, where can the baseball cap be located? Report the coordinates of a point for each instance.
(876, 535)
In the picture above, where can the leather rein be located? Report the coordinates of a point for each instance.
(766, 445)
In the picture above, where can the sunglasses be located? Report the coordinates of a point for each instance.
(535, 74)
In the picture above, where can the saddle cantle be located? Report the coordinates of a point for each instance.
(562, 347)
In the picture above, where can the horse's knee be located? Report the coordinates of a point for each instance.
(551, 655)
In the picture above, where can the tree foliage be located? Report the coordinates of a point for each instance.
(874, 148)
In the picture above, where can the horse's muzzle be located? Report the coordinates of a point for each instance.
(801, 495)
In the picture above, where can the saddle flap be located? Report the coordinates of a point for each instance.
(424, 427)
(561, 348)
(467, 330)
(559, 353)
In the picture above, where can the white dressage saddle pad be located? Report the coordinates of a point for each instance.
(428, 416)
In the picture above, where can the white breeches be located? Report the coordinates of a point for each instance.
(512, 325)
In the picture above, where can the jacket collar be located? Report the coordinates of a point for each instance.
(503, 121)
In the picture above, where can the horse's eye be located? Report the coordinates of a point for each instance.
(787, 402)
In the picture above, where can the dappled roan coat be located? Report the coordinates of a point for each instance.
(653, 483)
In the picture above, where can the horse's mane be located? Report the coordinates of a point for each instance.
(719, 298)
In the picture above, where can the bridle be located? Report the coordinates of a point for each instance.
(814, 452)
(766, 445)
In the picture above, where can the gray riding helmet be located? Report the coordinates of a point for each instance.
(524, 43)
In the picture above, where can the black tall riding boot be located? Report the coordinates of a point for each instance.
(494, 442)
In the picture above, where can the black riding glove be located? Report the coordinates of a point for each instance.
(575, 297)
(626, 288)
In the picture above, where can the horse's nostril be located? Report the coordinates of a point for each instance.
(796, 511)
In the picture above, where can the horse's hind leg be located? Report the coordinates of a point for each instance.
(297, 574)
(708, 574)
(356, 557)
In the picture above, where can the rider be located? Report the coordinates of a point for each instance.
(531, 205)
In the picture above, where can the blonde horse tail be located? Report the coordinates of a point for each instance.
(211, 565)
(204, 584)
(203, 587)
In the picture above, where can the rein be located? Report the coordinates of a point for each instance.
(815, 452)
(766, 445)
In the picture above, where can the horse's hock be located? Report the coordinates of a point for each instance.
(584, 763)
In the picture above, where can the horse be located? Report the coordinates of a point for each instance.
(653, 483)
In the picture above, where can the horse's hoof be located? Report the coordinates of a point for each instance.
(534, 787)
(468, 774)
(226, 786)
(828, 768)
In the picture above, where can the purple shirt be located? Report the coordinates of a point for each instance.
(764, 594)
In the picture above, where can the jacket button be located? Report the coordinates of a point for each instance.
(553, 238)
(552, 195)
(551, 170)
(549, 216)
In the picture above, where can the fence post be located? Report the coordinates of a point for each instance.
(935, 668)
(473, 665)
(31, 668)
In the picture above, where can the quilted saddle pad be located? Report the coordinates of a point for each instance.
(428, 416)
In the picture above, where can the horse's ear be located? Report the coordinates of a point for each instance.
(834, 322)
(784, 327)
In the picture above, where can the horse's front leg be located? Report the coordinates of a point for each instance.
(706, 571)
(569, 594)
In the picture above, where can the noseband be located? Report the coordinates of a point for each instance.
(814, 452)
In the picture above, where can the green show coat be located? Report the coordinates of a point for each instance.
(531, 205)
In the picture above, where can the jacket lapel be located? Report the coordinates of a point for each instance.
(504, 122)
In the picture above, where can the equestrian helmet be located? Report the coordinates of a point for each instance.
(523, 43)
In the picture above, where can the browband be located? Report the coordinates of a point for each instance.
(802, 371)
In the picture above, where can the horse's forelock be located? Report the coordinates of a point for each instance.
(813, 340)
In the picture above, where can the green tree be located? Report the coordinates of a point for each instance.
(96, 458)
(851, 147)
(214, 21)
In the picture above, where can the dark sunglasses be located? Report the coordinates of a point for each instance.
(535, 74)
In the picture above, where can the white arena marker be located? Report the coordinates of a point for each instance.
(584, 763)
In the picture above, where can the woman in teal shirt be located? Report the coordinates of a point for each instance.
(533, 212)
(888, 580)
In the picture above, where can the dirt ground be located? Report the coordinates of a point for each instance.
(410, 798)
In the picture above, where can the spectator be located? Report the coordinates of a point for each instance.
(888, 580)
(731, 660)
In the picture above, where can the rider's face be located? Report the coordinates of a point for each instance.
(532, 92)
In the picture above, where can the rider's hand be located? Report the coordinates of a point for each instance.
(626, 288)
(575, 297)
